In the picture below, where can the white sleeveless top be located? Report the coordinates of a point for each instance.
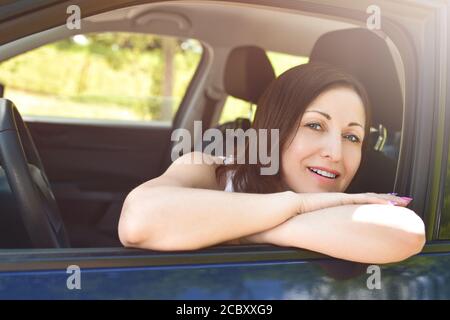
(229, 174)
(229, 185)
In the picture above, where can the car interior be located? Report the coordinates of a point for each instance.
(92, 165)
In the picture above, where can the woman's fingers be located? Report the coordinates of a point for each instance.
(315, 201)
(389, 199)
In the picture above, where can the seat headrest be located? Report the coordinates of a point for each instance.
(367, 57)
(248, 72)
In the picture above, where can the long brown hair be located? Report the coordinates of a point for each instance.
(281, 106)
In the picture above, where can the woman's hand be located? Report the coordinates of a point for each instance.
(362, 233)
(316, 201)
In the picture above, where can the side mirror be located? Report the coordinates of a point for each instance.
(2, 90)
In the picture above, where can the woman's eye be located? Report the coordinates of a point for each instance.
(314, 126)
(317, 126)
(352, 138)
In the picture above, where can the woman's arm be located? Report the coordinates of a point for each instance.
(176, 218)
(186, 209)
(179, 211)
(369, 233)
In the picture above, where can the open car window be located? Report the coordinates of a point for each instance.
(387, 144)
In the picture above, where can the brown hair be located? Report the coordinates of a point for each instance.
(281, 106)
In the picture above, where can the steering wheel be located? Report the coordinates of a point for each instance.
(28, 181)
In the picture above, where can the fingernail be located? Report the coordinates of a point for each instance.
(407, 200)
(392, 203)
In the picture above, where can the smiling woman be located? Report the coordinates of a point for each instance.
(322, 114)
(328, 142)
(330, 137)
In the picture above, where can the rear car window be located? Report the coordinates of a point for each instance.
(237, 108)
(103, 76)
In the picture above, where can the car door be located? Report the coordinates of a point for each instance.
(242, 272)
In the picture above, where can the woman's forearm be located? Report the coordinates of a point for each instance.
(175, 218)
(363, 233)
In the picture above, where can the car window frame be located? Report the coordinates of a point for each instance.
(445, 164)
(22, 260)
(409, 55)
(444, 215)
(439, 112)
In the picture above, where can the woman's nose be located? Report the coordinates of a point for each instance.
(332, 148)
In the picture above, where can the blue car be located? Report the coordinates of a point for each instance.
(92, 91)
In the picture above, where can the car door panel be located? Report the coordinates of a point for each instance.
(92, 167)
(276, 277)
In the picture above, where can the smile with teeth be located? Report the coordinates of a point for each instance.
(322, 173)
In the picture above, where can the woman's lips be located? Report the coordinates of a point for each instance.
(322, 179)
(326, 170)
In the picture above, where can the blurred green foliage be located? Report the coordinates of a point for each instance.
(444, 232)
(107, 69)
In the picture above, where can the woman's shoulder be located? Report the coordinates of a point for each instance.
(197, 170)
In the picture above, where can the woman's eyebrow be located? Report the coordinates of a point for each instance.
(326, 115)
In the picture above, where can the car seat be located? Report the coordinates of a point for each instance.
(248, 72)
(366, 56)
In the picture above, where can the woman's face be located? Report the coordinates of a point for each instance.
(329, 139)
